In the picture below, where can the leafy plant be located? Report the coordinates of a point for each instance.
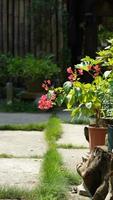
(4, 61)
(86, 99)
(32, 68)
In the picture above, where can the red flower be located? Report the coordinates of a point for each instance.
(69, 70)
(44, 103)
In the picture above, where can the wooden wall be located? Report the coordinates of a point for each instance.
(22, 31)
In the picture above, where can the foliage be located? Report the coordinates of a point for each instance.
(32, 67)
(104, 33)
(18, 106)
(4, 60)
(54, 96)
(86, 99)
(27, 68)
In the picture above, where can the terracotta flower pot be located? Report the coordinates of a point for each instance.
(96, 136)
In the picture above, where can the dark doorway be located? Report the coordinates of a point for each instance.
(87, 18)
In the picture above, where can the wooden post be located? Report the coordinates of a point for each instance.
(9, 92)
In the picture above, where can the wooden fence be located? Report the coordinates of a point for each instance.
(22, 31)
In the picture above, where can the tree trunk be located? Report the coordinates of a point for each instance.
(97, 174)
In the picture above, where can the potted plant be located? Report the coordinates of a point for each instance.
(86, 99)
(83, 99)
(89, 99)
(32, 70)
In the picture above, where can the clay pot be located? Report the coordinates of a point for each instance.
(96, 136)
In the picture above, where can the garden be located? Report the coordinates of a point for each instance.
(21, 80)
(89, 100)
(56, 100)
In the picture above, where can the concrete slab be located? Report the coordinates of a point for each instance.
(72, 157)
(22, 143)
(73, 134)
(23, 118)
(22, 173)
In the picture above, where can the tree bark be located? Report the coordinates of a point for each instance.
(97, 174)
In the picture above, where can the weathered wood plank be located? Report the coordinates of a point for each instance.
(53, 25)
(5, 26)
(57, 31)
(10, 27)
(21, 32)
(26, 16)
(16, 28)
(1, 26)
(33, 28)
(21, 27)
(60, 23)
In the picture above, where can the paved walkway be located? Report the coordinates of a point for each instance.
(27, 150)
(17, 118)
(24, 151)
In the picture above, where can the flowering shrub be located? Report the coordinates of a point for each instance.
(85, 99)
(53, 97)
(93, 70)
(57, 96)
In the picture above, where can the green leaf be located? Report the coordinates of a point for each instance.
(107, 73)
(88, 105)
(67, 86)
(71, 100)
(60, 99)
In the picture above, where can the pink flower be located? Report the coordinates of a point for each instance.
(45, 86)
(69, 70)
(48, 104)
(72, 77)
(44, 103)
(43, 97)
(96, 68)
(96, 74)
(80, 71)
(53, 97)
(49, 82)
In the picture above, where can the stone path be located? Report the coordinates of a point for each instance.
(22, 143)
(73, 134)
(23, 118)
(27, 150)
(22, 170)
(20, 173)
